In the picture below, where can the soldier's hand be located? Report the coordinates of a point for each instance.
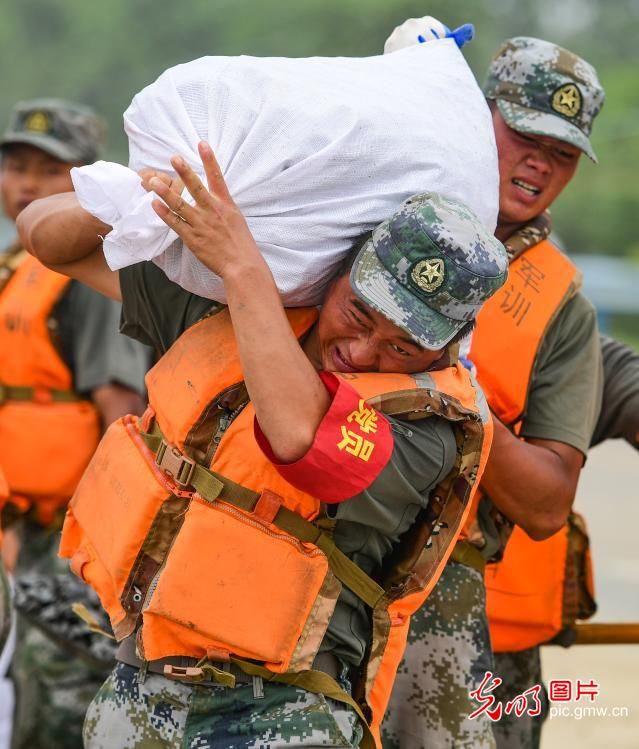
(173, 183)
(213, 228)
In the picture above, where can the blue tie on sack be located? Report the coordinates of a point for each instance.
(461, 34)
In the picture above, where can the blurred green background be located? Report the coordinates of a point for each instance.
(102, 53)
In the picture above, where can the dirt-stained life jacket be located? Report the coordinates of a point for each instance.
(48, 433)
(539, 588)
(192, 538)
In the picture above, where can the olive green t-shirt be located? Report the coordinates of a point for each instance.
(91, 344)
(565, 390)
(619, 416)
(157, 311)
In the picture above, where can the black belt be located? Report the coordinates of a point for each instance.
(183, 668)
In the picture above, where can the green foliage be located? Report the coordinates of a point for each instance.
(624, 329)
(102, 53)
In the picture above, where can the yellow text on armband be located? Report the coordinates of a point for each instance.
(355, 444)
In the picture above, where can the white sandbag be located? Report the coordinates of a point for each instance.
(315, 152)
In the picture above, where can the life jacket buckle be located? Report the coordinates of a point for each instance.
(184, 673)
(42, 396)
(176, 465)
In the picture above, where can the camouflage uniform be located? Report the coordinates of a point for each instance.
(619, 418)
(520, 671)
(447, 655)
(532, 233)
(131, 713)
(428, 270)
(449, 650)
(540, 89)
(59, 664)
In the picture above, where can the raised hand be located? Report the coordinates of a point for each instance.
(214, 228)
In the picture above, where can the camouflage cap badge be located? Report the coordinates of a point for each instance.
(68, 131)
(429, 268)
(429, 274)
(543, 89)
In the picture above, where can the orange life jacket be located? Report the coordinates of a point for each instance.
(532, 592)
(47, 433)
(189, 534)
(4, 487)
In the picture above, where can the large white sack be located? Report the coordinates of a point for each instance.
(314, 151)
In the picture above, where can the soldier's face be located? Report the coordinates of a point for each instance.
(27, 173)
(352, 337)
(533, 170)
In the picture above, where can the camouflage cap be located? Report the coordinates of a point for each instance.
(429, 268)
(543, 89)
(68, 131)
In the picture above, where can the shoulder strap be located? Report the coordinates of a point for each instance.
(212, 487)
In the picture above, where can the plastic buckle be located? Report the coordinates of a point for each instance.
(184, 673)
(42, 396)
(170, 460)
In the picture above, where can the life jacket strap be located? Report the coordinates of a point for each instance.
(212, 486)
(36, 395)
(469, 555)
(316, 682)
(81, 611)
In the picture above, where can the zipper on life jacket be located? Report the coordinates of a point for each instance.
(282, 536)
(155, 579)
(226, 419)
(223, 425)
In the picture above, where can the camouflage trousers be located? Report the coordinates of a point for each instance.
(54, 677)
(447, 655)
(519, 671)
(153, 712)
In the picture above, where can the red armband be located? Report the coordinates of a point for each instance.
(352, 445)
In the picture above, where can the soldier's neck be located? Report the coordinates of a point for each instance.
(506, 229)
